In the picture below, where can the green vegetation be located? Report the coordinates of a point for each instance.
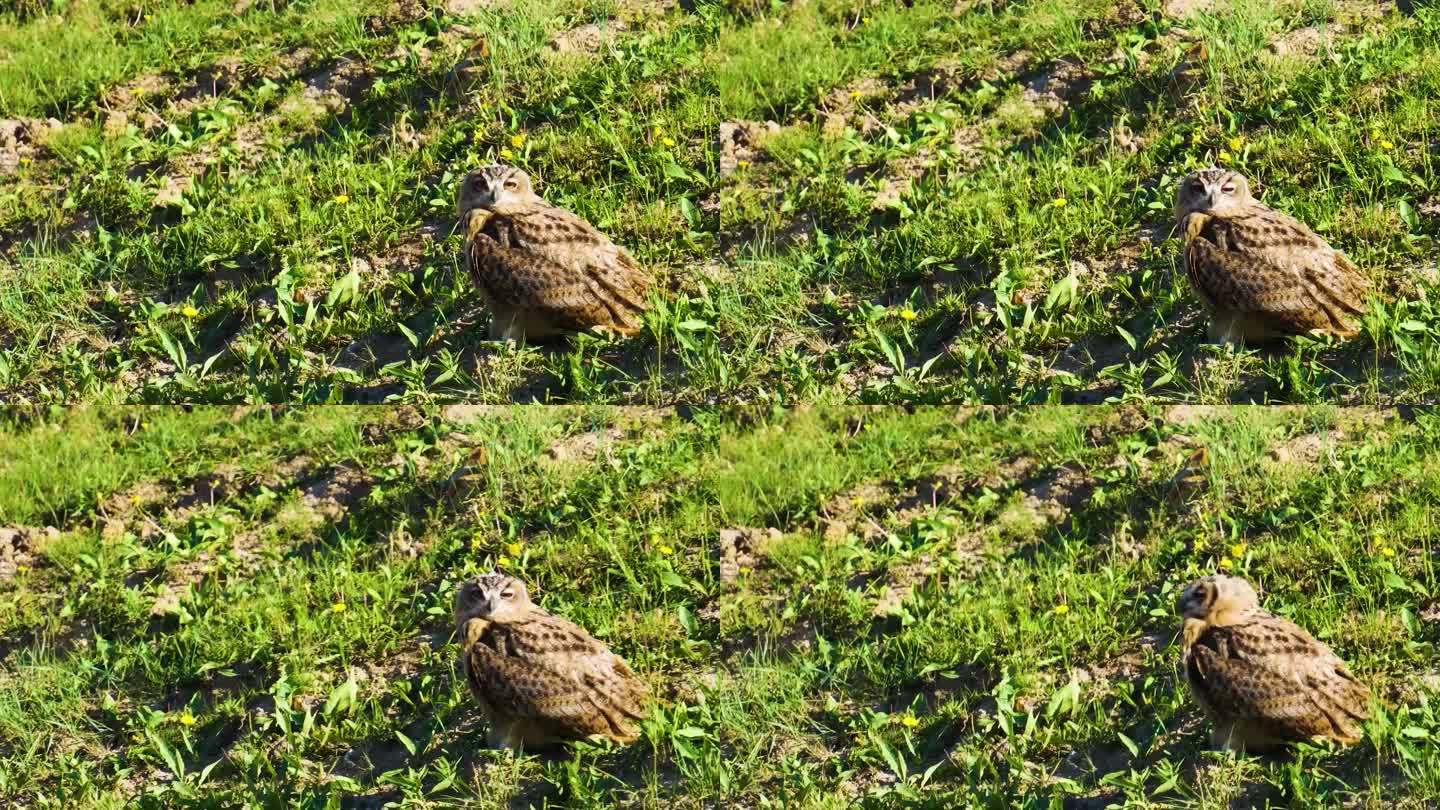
(836, 607)
(956, 201)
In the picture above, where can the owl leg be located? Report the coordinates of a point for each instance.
(1224, 737)
(502, 736)
(507, 326)
(1225, 329)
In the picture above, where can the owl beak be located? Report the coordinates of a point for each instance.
(1213, 198)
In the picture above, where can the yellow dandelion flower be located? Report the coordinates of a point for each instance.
(666, 550)
(1236, 143)
(1226, 563)
(742, 163)
(134, 499)
(667, 141)
(1061, 609)
(189, 311)
(854, 94)
(338, 607)
(1386, 145)
(1059, 202)
(506, 154)
(514, 549)
(20, 569)
(342, 199)
(1237, 550)
(517, 140)
(186, 718)
(503, 562)
(909, 720)
(1225, 156)
(1387, 551)
(907, 314)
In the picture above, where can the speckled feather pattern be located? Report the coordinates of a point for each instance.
(1261, 264)
(549, 268)
(544, 680)
(1264, 681)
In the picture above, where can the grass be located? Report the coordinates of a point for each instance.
(954, 608)
(956, 203)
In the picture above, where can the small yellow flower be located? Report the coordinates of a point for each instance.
(1061, 609)
(667, 141)
(1226, 563)
(1386, 145)
(1237, 550)
(20, 569)
(909, 720)
(517, 140)
(1059, 202)
(503, 562)
(134, 499)
(666, 550)
(856, 501)
(854, 94)
(338, 607)
(1387, 551)
(514, 549)
(342, 199)
(186, 718)
(1236, 143)
(189, 311)
(742, 163)
(907, 314)
(506, 154)
(1225, 157)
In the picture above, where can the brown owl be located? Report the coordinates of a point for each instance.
(539, 679)
(1262, 680)
(543, 270)
(1262, 274)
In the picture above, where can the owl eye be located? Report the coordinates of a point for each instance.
(512, 184)
(507, 594)
(1197, 186)
(1228, 188)
(478, 184)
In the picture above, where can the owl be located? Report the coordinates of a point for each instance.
(1262, 274)
(539, 679)
(542, 270)
(1262, 680)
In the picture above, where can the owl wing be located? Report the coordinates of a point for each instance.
(557, 673)
(1272, 265)
(610, 271)
(1272, 673)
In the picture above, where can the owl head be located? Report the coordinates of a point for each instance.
(494, 597)
(498, 188)
(1209, 191)
(1208, 597)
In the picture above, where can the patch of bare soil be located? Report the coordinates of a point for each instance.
(742, 550)
(587, 39)
(332, 494)
(22, 139)
(19, 547)
(739, 143)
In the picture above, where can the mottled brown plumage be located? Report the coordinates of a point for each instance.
(543, 270)
(1263, 274)
(1262, 680)
(539, 679)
